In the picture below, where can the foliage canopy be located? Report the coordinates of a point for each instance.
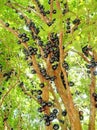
(48, 62)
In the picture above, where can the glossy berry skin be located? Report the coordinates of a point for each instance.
(40, 109)
(20, 36)
(55, 111)
(47, 123)
(88, 66)
(71, 84)
(46, 117)
(42, 85)
(7, 24)
(85, 50)
(54, 67)
(51, 118)
(30, 64)
(81, 117)
(55, 127)
(39, 98)
(65, 65)
(49, 104)
(76, 21)
(21, 16)
(33, 71)
(95, 73)
(39, 92)
(43, 104)
(54, 11)
(19, 42)
(64, 113)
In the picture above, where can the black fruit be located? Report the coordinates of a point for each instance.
(95, 73)
(71, 83)
(55, 111)
(54, 11)
(49, 104)
(55, 126)
(39, 92)
(7, 24)
(64, 113)
(47, 123)
(81, 117)
(41, 85)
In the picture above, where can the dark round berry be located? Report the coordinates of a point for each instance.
(46, 117)
(76, 21)
(8, 1)
(39, 98)
(47, 77)
(30, 64)
(40, 109)
(95, 73)
(55, 111)
(42, 85)
(71, 84)
(21, 16)
(64, 113)
(20, 36)
(65, 65)
(54, 11)
(7, 24)
(43, 104)
(88, 66)
(33, 71)
(27, 38)
(19, 42)
(48, 12)
(3, 88)
(39, 92)
(24, 34)
(81, 117)
(68, 27)
(51, 117)
(54, 67)
(49, 24)
(88, 71)
(49, 104)
(55, 126)
(47, 123)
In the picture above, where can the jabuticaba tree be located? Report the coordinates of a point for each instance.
(48, 65)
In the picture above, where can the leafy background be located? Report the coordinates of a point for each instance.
(19, 107)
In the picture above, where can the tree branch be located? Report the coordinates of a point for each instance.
(5, 95)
